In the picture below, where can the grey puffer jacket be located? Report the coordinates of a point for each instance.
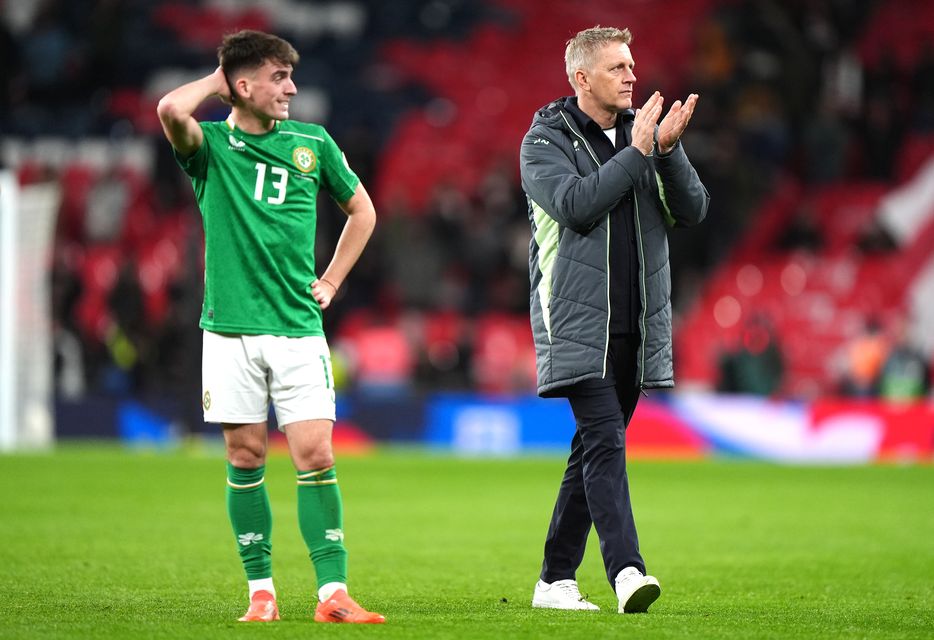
(570, 195)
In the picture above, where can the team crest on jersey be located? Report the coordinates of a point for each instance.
(304, 159)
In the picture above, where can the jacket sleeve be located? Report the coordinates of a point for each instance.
(682, 192)
(552, 180)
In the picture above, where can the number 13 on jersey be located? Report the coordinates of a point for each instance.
(278, 185)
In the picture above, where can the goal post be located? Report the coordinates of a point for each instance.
(27, 223)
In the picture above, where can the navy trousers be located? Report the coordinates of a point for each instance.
(595, 487)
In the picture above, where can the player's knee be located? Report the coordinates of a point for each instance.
(247, 456)
(317, 458)
(321, 460)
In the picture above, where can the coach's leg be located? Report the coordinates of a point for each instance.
(320, 508)
(624, 350)
(602, 426)
(248, 502)
(570, 522)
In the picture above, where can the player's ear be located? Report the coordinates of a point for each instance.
(241, 89)
(580, 77)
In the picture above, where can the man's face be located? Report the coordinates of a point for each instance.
(611, 79)
(269, 89)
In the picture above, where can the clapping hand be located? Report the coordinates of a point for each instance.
(674, 124)
(643, 127)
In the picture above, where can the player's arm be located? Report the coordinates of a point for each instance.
(361, 220)
(177, 107)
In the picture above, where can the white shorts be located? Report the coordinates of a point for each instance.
(240, 374)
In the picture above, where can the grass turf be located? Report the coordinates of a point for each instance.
(100, 542)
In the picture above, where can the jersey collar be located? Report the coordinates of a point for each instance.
(233, 125)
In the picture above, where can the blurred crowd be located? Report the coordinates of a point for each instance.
(439, 300)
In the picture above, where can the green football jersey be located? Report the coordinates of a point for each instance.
(257, 195)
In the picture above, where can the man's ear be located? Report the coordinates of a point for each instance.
(241, 89)
(580, 77)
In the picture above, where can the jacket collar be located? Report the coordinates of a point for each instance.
(585, 122)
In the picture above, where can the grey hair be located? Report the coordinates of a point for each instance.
(582, 48)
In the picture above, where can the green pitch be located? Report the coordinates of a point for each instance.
(98, 542)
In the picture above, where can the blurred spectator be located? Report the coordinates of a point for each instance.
(444, 357)
(922, 84)
(863, 360)
(882, 134)
(49, 53)
(905, 376)
(415, 259)
(825, 145)
(802, 233)
(10, 68)
(127, 338)
(763, 130)
(106, 206)
(68, 366)
(874, 238)
(843, 83)
(756, 366)
(106, 41)
(382, 359)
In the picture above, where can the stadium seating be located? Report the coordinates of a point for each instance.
(497, 74)
(818, 300)
(452, 99)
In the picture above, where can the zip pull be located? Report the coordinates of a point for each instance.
(642, 389)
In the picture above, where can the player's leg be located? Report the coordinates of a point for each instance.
(320, 507)
(250, 515)
(302, 389)
(235, 395)
(321, 520)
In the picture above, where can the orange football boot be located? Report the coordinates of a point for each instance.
(262, 608)
(340, 607)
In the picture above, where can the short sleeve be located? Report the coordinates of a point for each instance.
(196, 164)
(336, 174)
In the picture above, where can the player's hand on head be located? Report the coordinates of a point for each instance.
(643, 127)
(223, 86)
(323, 292)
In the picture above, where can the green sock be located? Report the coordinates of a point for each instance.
(251, 518)
(321, 520)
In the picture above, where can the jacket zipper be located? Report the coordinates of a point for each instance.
(642, 289)
(606, 345)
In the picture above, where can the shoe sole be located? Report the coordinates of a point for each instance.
(642, 598)
(548, 605)
(254, 618)
(328, 620)
(258, 618)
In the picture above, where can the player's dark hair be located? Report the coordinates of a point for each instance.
(249, 50)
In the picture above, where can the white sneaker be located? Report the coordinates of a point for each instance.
(636, 591)
(562, 594)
